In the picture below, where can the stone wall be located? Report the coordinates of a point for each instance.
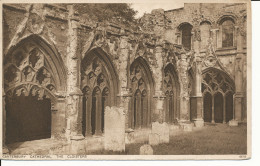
(71, 38)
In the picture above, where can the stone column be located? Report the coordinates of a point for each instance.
(123, 72)
(158, 111)
(239, 95)
(196, 108)
(88, 131)
(184, 95)
(213, 110)
(98, 131)
(196, 99)
(138, 110)
(224, 109)
(4, 148)
(74, 97)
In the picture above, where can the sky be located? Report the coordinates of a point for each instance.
(148, 7)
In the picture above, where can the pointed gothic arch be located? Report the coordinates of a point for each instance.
(99, 83)
(33, 75)
(218, 90)
(142, 89)
(171, 89)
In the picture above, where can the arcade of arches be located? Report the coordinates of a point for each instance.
(30, 92)
(60, 74)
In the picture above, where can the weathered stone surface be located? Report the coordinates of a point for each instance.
(114, 129)
(61, 37)
(162, 130)
(233, 123)
(138, 136)
(199, 123)
(187, 126)
(154, 139)
(77, 147)
(174, 127)
(94, 144)
(146, 150)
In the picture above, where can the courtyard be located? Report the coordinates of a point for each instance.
(77, 82)
(212, 139)
(219, 139)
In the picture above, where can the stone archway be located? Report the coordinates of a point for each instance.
(171, 90)
(30, 82)
(99, 86)
(28, 114)
(142, 90)
(217, 89)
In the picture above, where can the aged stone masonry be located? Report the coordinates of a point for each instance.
(60, 71)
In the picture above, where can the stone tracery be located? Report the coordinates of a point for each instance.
(140, 106)
(30, 72)
(218, 92)
(171, 90)
(31, 91)
(25, 66)
(98, 92)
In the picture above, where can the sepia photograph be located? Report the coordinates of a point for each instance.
(126, 81)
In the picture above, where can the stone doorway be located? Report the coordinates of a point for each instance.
(33, 76)
(27, 118)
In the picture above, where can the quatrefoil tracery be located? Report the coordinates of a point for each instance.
(214, 82)
(27, 66)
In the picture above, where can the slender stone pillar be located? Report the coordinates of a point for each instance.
(130, 113)
(213, 110)
(98, 115)
(138, 110)
(224, 109)
(88, 131)
(74, 97)
(196, 100)
(239, 95)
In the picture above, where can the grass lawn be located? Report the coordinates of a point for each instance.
(211, 139)
(208, 140)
